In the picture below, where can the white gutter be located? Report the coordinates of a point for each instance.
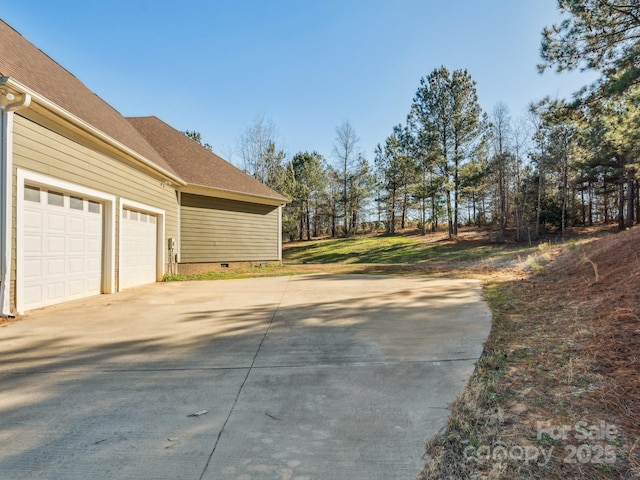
(6, 200)
(49, 105)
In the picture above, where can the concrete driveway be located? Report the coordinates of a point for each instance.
(324, 377)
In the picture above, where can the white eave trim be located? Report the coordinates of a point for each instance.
(9, 82)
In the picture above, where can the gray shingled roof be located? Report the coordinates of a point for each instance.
(195, 164)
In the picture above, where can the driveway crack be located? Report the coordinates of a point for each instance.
(255, 357)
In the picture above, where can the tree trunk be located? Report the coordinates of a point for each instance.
(301, 229)
(573, 213)
(539, 204)
(583, 207)
(621, 202)
(392, 222)
(630, 198)
(391, 228)
(346, 220)
(563, 225)
(434, 214)
(449, 214)
(473, 201)
(315, 218)
(423, 215)
(590, 192)
(605, 202)
(405, 209)
(517, 196)
(333, 225)
(456, 184)
(637, 190)
(503, 202)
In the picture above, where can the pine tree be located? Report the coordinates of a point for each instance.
(445, 120)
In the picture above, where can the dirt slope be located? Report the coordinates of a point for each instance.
(562, 360)
(613, 313)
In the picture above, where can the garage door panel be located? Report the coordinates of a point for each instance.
(94, 224)
(55, 245)
(33, 220)
(62, 251)
(54, 267)
(93, 265)
(32, 269)
(34, 294)
(55, 222)
(76, 287)
(94, 245)
(55, 291)
(76, 225)
(76, 246)
(75, 266)
(32, 244)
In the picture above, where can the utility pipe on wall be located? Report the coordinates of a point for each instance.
(6, 196)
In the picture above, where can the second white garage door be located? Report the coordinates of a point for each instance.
(138, 251)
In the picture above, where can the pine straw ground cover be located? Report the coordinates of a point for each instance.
(556, 393)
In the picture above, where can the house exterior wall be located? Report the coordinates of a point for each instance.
(214, 231)
(41, 150)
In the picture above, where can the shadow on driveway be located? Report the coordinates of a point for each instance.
(320, 376)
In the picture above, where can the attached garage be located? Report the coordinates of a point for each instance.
(138, 248)
(65, 248)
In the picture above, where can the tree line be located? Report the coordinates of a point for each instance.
(565, 163)
(326, 197)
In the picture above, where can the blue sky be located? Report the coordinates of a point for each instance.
(214, 66)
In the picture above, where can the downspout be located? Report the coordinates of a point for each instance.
(280, 234)
(6, 198)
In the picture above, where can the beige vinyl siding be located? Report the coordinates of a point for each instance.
(43, 151)
(219, 230)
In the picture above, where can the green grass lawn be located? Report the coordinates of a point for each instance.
(396, 250)
(471, 253)
(384, 254)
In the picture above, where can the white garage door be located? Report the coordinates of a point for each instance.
(138, 232)
(62, 246)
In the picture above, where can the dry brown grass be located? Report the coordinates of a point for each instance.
(563, 349)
